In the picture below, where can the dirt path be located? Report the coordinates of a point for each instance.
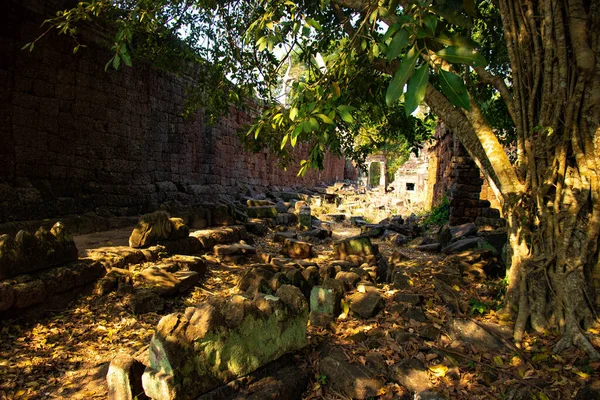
(66, 355)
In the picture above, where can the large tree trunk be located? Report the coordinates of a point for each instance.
(554, 225)
(551, 197)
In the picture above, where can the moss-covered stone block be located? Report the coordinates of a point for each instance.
(211, 344)
(355, 246)
(262, 212)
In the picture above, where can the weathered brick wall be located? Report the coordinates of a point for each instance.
(458, 177)
(74, 138)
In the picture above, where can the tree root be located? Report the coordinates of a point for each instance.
(574, 336)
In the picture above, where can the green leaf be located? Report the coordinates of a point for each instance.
(306, 127)
(449, 39)
(346, 116)
(416, 89)
(125, 55)
(375, 50)
(325, 118)
(314, 24)
(454, 88)
(430, 22)
(390, 32)
(453, 15)
(116, 61)
(345, 113)
(399, 42)
(462, 55)
(396, 86)
(313, 124)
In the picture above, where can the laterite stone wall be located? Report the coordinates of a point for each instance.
(76, 139)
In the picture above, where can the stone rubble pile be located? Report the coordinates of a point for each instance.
(40, 272)
(213, 345)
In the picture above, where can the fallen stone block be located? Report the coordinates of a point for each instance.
(372, 230)
(187, 280)
(334, 217)
(280, 237)
(259, 203)
(289, 196)
(155, 227)
(262, 212)
(462, 231)
(185, 263)
(278, 280)
(286, 219)
(324, 302)
(257, 227)
(350, 279)
(159, 280)
(7, 296)
(317, 233)
(211, 344)
(470, 333)
(296, 249)
(29, 293)
(233, 249)
(297, 279)
(208, 238)
(430, 248)
(280, 379)
(144, 301)
(253, 277)
(412, 374)
(311, 274)
(26, 253)
(358, 221)
(305, 217)
(353, 380)
(365, 305)
(462, 245)
(124, 378)
(356, 246)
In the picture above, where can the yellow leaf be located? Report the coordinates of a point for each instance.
(543, 396)
(336, 88)
(498, 361)
(516, 361)
(581, 374)
(455, 287)
(439, 370)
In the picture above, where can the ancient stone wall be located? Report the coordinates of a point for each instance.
(459, 178)
(77, 139)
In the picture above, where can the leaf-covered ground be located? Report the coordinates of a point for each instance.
(66, 355)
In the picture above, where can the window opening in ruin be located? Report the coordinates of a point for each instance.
(410, 186)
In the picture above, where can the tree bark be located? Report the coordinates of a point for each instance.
(551, 198)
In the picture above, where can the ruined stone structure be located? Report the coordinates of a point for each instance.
(459, 178)
(411, 181)
(77, 139)
(365, 176)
